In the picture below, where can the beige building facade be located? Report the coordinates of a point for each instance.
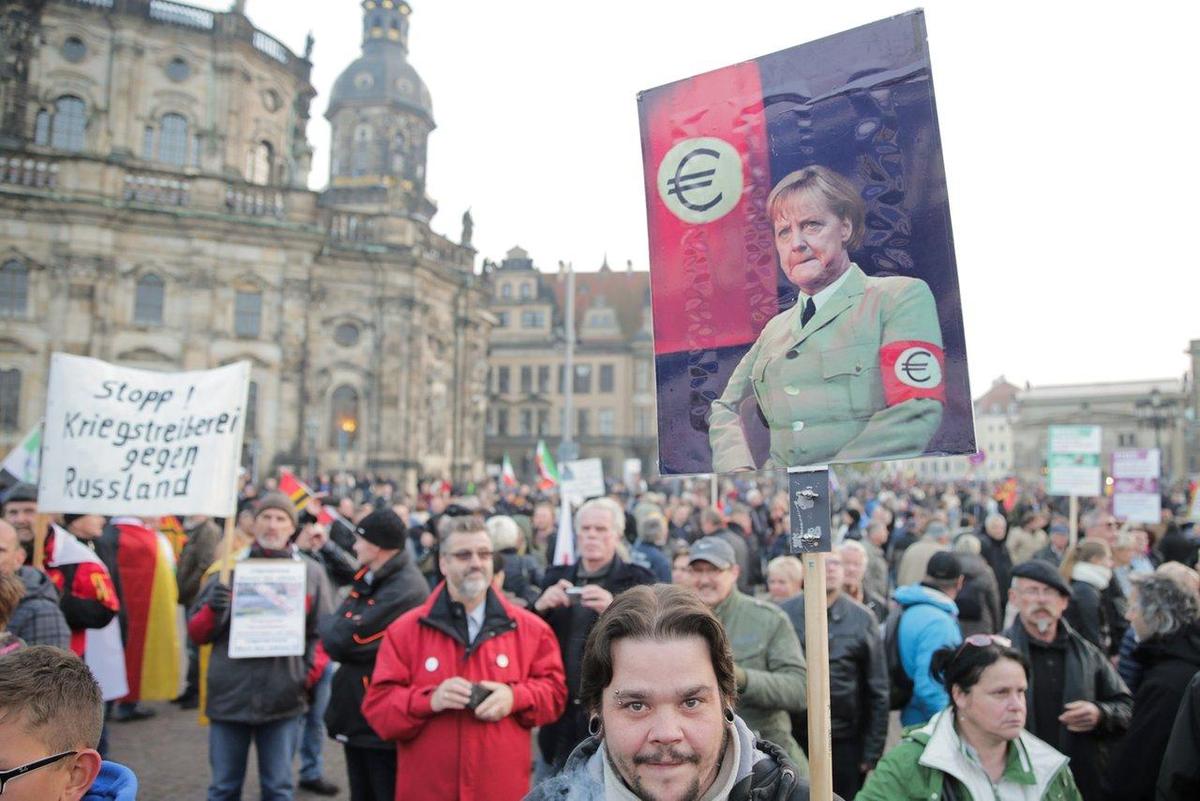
(154, 213)
(613, 399)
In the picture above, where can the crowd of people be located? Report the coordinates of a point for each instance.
(452, 656)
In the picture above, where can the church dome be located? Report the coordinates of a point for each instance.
(382, 76)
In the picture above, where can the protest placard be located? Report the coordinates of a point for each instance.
(1073, 461)
(767, 359)
(120, 440)
(267, 610)
(582, 479)
(1135, 474)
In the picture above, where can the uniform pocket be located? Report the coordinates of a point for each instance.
(850, 374)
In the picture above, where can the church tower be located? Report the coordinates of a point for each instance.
(382, 116)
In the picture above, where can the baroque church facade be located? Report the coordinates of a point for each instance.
(154, 212)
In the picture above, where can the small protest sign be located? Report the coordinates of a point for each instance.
(1135, 476)
(811, 530)
(124, 441)
(267, 611)
(764, 355)
(582, 479)
(1073, 461)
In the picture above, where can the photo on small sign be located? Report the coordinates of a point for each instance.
(804, 287)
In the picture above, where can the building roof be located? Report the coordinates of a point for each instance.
(625, 292)
(1102, 390)
(998, 398)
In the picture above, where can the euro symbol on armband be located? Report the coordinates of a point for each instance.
(694, 180)
(916, 366)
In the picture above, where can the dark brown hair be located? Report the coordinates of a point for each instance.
(51, 694)
(658, 612)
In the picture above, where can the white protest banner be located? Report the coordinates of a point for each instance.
(267, 610)
(123, 441)
(1073, 460)
(632, 474)
(582, 479)
(1135, 485)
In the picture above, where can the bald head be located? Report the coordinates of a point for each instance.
(12, 555)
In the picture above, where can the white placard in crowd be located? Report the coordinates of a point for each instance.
(267, 617)
(123, 441)
(582, 479)
(1073, 460)
(632, 474)
(1135, 476)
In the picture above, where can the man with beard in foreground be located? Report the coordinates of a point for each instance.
(659, 688)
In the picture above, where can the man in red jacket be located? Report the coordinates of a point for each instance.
(461, 680)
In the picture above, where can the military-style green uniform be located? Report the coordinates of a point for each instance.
(863, 380)
(764, 645)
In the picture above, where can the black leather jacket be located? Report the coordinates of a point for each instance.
(858, 678)
(1087, 676)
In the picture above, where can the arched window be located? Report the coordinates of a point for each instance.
(41, 128)
(14, 289)
(70, 119)
(148, 302)
(398, 156)
(343, 421)
(260, 163)
(173, 140)
(10, 400)
(360, 153)
(148, 143)
(247, 313)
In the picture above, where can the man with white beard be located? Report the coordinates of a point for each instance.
(461, 680)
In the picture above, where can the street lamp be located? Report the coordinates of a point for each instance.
(1157, 412)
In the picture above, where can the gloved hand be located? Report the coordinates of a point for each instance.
(218, 599)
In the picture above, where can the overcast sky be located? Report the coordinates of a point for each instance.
(1068, 134)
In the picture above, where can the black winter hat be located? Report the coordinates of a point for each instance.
(23, 491)
(1043, 572)
(943, 566)
(383, 528)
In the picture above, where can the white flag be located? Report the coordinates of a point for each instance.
(564, 543)
(23, 461)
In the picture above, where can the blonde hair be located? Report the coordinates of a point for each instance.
(836, 190)
(791, 568)
(1086, 551)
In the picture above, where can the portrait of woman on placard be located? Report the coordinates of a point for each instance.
(854, 371)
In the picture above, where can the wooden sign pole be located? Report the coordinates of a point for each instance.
(227, 548)
(41, 527)
(816, 650)
(1074, 535)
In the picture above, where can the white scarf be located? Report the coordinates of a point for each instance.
(1097, 575)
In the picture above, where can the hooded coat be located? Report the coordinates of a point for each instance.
(929, 622)
(1168, 664)
(37, 619)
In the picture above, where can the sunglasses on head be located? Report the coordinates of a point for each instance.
(983, 641)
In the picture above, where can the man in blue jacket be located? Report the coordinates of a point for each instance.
(929, 622)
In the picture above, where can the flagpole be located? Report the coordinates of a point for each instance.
(566, 445)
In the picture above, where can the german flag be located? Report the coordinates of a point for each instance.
(300, 494)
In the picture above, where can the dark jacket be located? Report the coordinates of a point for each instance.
(198, 553)
(352, 635)
(571, 625)
(261, 689)
(858, 677)
(1086, 616)
(995, 553)
(37, 619)
(1169, 663)
(651, 557)
(1179, 776)
(979, 609)
(764, 774)
(338, 565)
(1087, 676)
